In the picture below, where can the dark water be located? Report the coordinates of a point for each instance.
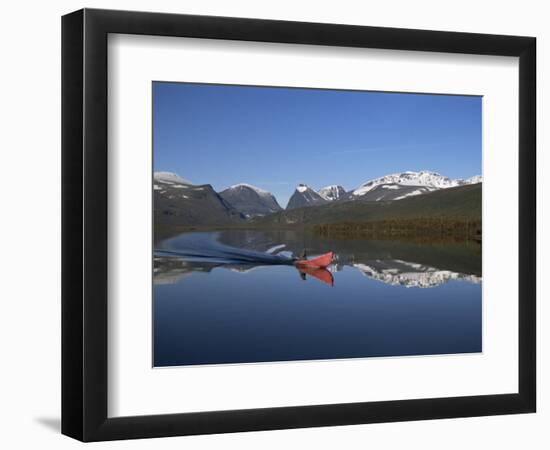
(235, 297)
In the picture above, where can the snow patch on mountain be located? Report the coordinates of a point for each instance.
(256, 189)
(170, 178)
(409, 194)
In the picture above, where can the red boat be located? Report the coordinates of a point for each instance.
(320, 262)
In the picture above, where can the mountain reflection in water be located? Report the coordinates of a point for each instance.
(394, 263)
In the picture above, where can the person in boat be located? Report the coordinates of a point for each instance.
(301, 257)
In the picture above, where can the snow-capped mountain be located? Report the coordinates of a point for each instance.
(250, 200)
(427, 179)
(333, 192)
(406, 184)
(304, 196)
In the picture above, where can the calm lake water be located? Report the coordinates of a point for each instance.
(235, 297)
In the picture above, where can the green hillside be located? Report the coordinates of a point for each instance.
(454, 212)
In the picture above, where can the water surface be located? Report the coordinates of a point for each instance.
(235, 297)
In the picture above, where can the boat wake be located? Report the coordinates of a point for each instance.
(206, 248)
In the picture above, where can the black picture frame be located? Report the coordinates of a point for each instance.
(84, 224)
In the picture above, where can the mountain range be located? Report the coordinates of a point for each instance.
(391, 187)
(178, 201)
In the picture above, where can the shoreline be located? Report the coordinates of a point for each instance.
(419, 230)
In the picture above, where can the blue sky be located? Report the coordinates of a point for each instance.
(275, 138)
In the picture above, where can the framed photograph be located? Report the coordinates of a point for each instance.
(273, 224)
